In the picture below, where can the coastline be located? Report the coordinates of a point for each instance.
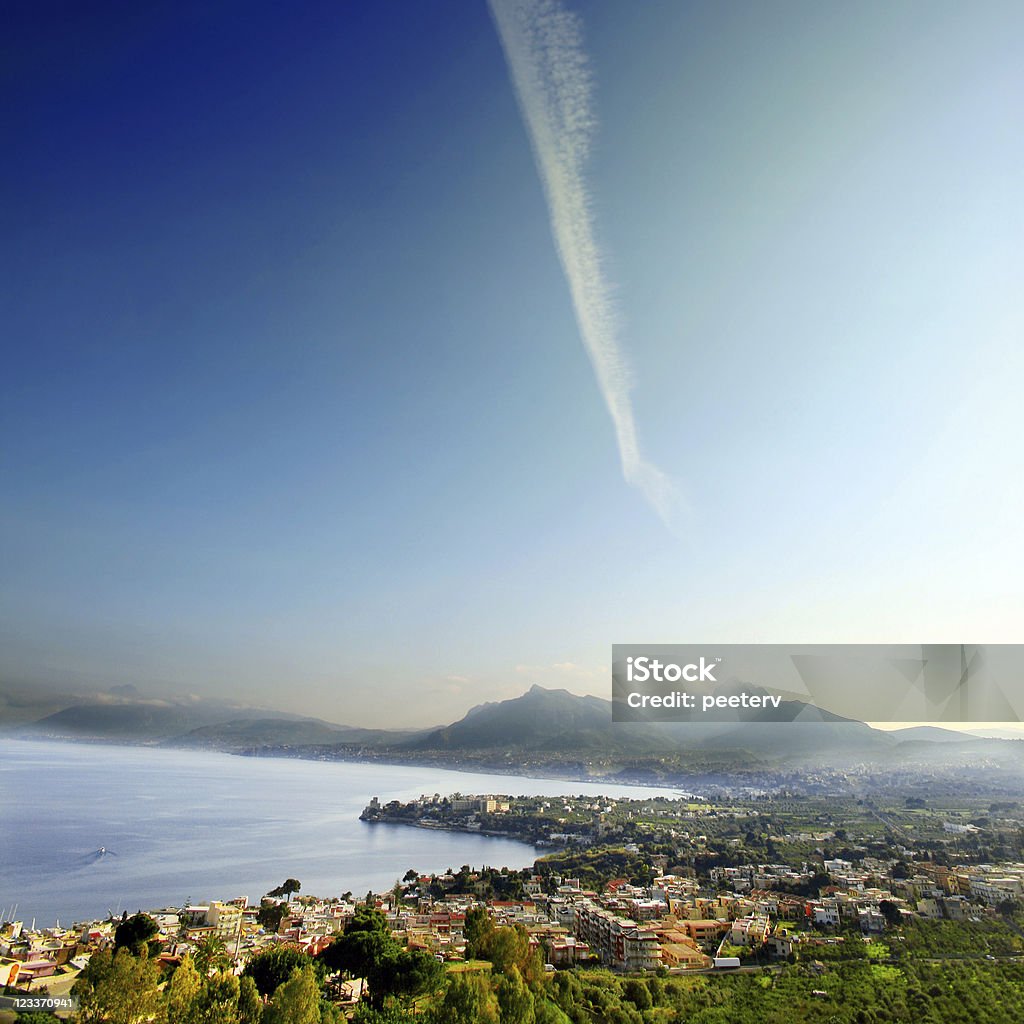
(466, 766)
(152, 807)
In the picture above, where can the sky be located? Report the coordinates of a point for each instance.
(376, 360)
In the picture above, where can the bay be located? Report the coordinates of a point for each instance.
(176, 826)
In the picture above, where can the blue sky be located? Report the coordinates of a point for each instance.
(295, 405)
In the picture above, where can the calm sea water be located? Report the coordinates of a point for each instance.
(180, 825)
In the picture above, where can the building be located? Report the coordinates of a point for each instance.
(705, 931)
(749, 931)
(617, 941)
(678, 949)
(225, 918)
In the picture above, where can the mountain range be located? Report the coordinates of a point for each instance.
(541, 726)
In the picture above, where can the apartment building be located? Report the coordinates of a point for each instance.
(618, 941)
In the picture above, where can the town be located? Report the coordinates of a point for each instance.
(780, 890)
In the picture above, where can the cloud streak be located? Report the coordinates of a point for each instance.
(548, 65)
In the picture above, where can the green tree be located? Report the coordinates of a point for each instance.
(366, 949)
(270, 914)
(134, 933)
(506, 948)
(117, 988)
(468, 1000)
(218, 1003)
(891, 912)
(515, 1000)
(366, 1014)
(286, 888)
(250, 1005)
(271, 968)
(297, 1001)
(638, 994)
(365, 941)
(182, 992)
(210, 954)
(412, 973)
(331, 1014)
(477, 930)
(547, 1013)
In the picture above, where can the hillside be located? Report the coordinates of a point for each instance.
(541, 729)
(249, 734)
(556, 720)
(133, 722)
(539, 719)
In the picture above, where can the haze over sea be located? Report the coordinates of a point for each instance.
(185, 825)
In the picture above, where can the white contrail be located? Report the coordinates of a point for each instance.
(543, 48)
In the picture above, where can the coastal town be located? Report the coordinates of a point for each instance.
(662, 888)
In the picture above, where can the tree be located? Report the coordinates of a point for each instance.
(365, 941)
(218, 1003)
(210, 953)
(507, 948)
(182, 992)
(365, 1014)
(286, 888)
(117, 988)
(638, 994)
(468, 1000)
(547, 1013)
(270, 914)
(412, 973)
(297, 1001)
(890, 912)
(250, 1005)
(477, 930)
(515, 1000)
(366, 949)
(271, 968)
(134, 933)
(331, 1014)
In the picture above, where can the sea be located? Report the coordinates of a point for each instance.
(88, 830)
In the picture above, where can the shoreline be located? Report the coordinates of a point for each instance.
(398, 761)
(478, 769)
(437, 826)
(64, 881)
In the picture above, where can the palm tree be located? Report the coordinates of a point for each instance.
(210, 954)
